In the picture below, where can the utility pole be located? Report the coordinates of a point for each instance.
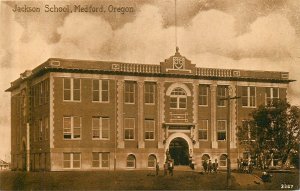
(27, 147)
(228, 98)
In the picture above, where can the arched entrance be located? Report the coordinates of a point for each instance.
(179, 151)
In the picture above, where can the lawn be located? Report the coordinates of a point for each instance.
(127, 180)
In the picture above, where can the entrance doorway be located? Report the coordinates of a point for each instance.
(179, 151)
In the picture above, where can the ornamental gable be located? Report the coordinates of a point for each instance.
(178, 64)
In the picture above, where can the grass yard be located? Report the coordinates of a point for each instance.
(128, 180)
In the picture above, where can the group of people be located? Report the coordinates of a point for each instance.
(245, 165)
(210, 167)
(168, 168)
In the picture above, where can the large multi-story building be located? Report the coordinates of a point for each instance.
(90, 115)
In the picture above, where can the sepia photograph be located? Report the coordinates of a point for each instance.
(149, 94)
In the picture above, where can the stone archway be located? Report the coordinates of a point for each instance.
(180, 147)
(179, 151)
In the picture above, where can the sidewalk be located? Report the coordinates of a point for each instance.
(246, 180)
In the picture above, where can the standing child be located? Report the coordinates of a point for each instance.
(216, 165)
(157, 168)
(166, 168)
(205, 166)
(209, 166)
(171, 167)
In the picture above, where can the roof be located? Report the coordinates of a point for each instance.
(176, 66)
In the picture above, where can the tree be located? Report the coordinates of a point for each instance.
(272, 131)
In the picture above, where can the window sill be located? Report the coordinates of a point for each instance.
(249, 107)
(72, 101)
(100, 102)
(72, 168)
(150, 104)
(100, 168)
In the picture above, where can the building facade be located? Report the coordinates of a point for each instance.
(92, 115)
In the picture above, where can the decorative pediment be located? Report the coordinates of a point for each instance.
(177, 64)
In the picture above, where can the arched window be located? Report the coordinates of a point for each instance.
(151, 161)
(205, 157)
(223, 160)
(130, 163)
(178, 98)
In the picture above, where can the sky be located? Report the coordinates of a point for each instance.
(248, 34)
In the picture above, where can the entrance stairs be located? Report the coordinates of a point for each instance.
(182, 168)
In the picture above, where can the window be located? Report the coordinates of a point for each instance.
(203, 129)
(149, 129)
(41, 130)
(41, 96)
(271, 95)
(46, 124)
(100, 160)
(221, 94)
(221, 130)
(101, 90)
(130, 162)
(101, 127)
(72, 127)
(36, 95)
(46, 92)
(248, 97)
(178, 99)
(223, 160)
(71, 89)
(129, 92)
(151, 161)
(72, 160)
(203, 95)
(129, 126)
(149, 93)
(249, 135)
(246, 155)
(245, 125)
(35, 130)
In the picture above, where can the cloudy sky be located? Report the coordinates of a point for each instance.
(248, 34)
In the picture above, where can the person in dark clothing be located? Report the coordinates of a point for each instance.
(171, 167)
(239, 164)
(204, 166)
(250, 167)
(157, 168)
(216, 165)
(166, 166)
(209, 166)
